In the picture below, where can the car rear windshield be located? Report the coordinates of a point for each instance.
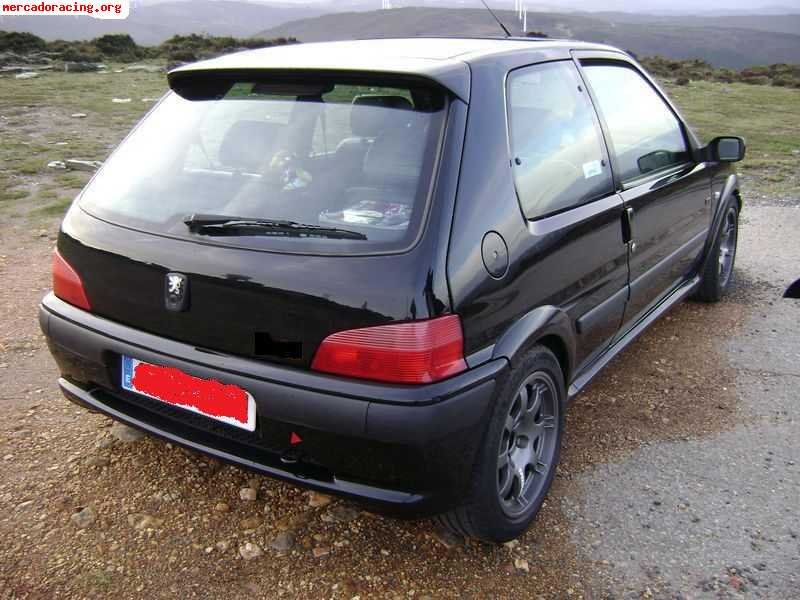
(347, 165)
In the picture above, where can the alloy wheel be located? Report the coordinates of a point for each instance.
(527, 444)
(727, 247)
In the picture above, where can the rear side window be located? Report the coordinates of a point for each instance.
(325, 153)
(645, 133)
(558, 156)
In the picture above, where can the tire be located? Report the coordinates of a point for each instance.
(493, 509)
(718, 272)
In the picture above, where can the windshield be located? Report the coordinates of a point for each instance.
(332, 155)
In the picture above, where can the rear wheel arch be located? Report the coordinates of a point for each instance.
(559, 348)
(548, 326)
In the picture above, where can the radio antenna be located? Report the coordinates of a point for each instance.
(499, 22)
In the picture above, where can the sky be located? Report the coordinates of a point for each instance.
(682, 6)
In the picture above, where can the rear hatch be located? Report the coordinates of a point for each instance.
(256, 216)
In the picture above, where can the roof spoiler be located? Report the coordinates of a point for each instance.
(201, 82)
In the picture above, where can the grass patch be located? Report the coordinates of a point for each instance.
(10, 195)
(73, 180)
(767, 117)
(31, 166)
(54, 209)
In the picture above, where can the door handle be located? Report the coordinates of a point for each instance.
(627, 226)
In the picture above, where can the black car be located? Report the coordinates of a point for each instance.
(382, 269)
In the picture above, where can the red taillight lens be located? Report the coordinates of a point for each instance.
(413, 352)
(67, 285)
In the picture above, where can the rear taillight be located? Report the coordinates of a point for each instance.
(67, 285)
(412, 352)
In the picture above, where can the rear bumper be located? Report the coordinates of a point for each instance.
(403, 449)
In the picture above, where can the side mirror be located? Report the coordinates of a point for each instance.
(725, 149)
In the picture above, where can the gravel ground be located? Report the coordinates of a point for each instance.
(679, 477)
(716, 516)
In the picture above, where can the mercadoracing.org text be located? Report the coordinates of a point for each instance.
(99, 10)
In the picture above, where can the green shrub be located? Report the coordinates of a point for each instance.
(20, 42)
(75, 51)
(119, 46)
(697, 70)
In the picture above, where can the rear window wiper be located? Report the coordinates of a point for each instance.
(226, 225)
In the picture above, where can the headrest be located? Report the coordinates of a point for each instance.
(395, 158)
(247, 144)
(366, 120)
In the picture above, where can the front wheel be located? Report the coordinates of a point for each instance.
(718, 273)
(520, 451)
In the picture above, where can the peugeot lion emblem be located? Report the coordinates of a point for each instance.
(176, 292)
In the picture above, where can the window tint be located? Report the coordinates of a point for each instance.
(558, 156)
(324, 152)
(645, 134)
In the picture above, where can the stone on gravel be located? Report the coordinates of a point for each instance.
(125, 434)
(104, 443)
(222, 507)
(250, 551)
(251, 523)
(89, 166)
(144, 69)
(283, 542)
(321, 551)
(447, 538)
(83, 518)
(521, 564)
(98, 461)
(292, 522)
(248, 494)
(143, 521)
(81, 67)
(317, 500)
(341, 513)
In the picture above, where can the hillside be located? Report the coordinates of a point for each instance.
(732, 47)
(783, 23)
(153, 24)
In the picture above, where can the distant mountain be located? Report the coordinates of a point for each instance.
(154, 23)
(778, 23)
(722, 42)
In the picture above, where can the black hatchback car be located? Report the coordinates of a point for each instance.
(382, 269)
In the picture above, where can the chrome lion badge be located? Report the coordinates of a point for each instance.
(176, 292)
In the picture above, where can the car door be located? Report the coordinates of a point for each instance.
(666, 194)
(576, 258)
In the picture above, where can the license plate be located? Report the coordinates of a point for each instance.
(208, 397)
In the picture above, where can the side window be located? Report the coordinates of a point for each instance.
(645, 134)
(558, 156)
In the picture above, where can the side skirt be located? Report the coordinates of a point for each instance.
(680, 293)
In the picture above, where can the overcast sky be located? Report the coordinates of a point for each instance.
(683, 6)
(626, 5)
